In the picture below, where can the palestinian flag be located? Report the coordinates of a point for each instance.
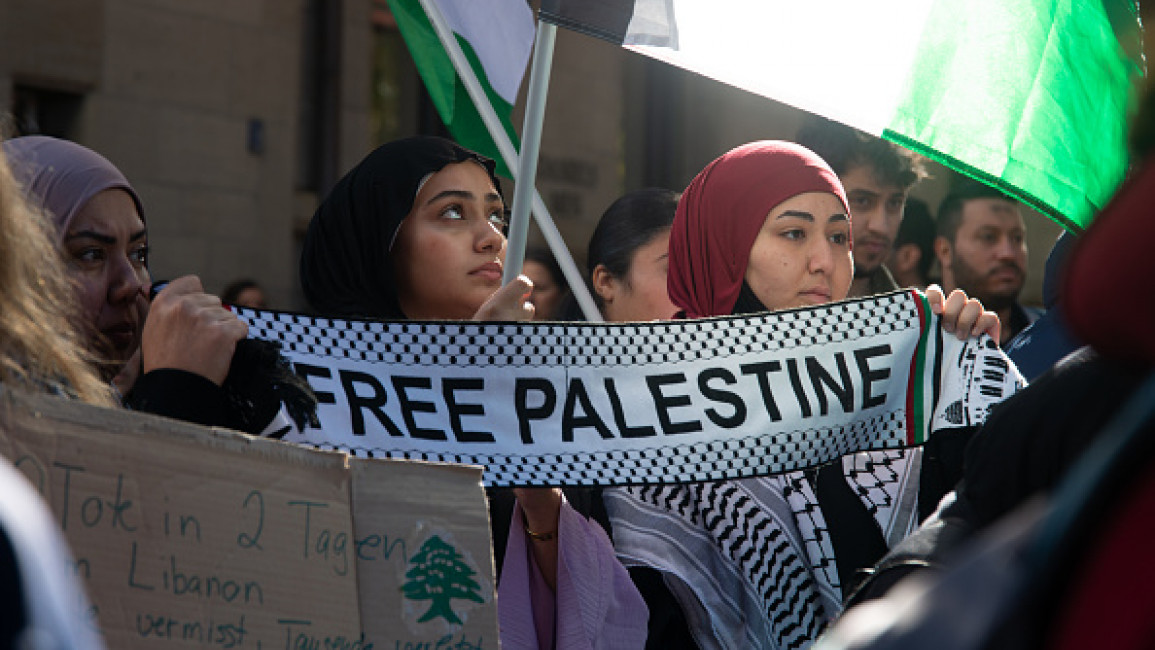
(496, 37)
(1029, 95)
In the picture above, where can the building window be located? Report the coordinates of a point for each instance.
(38, 111)
(400, 104)
(390, 61)
(320, 96)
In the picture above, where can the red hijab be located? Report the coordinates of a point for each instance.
(722, 211)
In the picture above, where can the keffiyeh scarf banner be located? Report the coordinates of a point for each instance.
(640, 403)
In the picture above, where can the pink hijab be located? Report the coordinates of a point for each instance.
(722, 211)
(60, 176)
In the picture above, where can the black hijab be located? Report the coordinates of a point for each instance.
(345, 262)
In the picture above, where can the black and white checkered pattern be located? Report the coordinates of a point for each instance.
(675, 463)
(751, 525)
(467, 343)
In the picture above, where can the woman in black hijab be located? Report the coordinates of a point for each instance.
(346, 264)
(416, 231)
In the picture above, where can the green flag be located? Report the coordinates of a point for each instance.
(496, 37)
(1029, 95)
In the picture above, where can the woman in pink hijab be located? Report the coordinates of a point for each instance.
(101, 231)
(177, 364)
(755, 563)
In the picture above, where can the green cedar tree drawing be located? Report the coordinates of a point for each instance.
(439, 573)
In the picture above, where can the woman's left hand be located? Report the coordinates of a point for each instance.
(963, 316)
(509, 303)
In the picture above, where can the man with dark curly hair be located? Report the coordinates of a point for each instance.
(877, 175)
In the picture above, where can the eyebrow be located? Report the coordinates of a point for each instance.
(103, 238)
(806, 216)
(463, 194)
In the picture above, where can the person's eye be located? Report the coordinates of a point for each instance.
(139, 255)
(839, 238)
(895, 205)
(795, 234)
(89, 255)
(861, 203)
(452, 212)
(499, 217)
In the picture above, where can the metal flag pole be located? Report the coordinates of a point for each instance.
(525, 193)
(530, 146)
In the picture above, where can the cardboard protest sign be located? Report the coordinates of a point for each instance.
(446, 579)
(187, 536)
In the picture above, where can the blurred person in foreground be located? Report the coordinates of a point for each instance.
(40, 348)
(42, 604)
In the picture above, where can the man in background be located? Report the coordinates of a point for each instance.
(877, 176)
(245, 293)
(913, 252)
(982, 248)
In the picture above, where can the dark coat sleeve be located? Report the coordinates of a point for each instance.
(180, 395)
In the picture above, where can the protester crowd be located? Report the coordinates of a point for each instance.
(416, 231)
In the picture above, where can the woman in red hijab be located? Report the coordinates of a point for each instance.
(764, 562)
(766, 227)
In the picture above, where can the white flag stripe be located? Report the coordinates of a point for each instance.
(844, 59)
(500, 32)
